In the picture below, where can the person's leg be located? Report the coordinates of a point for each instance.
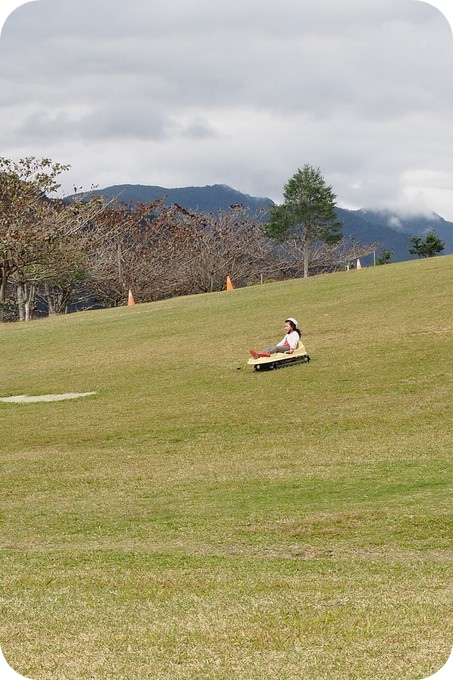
(258, 355)
(276, 348)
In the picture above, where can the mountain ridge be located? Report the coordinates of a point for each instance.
(391, 229)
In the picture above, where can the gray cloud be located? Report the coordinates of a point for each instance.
(242, 93)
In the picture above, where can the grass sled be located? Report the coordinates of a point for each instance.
(279, 360)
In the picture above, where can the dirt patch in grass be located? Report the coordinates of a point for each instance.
(23, 398)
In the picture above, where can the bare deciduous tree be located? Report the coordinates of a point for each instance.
(42, 240)
(229, 243)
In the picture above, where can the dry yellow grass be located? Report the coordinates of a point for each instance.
(196, 520)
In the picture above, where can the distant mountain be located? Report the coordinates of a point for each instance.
(200, 199)
(388, 228)
(394, 230)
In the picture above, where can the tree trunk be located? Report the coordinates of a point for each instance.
(306, 253)
(2, 298)
(49, 300)
(25, 300)
(20, 301)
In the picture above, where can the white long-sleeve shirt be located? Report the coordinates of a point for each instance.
(291, 340)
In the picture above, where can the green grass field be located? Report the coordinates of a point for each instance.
(195, 519)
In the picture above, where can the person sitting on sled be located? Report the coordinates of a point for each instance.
(287, 345)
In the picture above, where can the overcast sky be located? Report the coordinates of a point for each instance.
(195, 92)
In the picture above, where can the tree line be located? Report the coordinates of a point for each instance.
(59, 255)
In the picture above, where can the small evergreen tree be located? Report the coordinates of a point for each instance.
(307, 214)
(427, 247)
(384, 257)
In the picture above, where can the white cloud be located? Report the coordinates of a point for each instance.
(241, 93)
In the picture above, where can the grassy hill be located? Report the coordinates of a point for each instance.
(195, 519)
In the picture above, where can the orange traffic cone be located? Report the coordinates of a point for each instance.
(359, 266)
(130, 298)
(229, 285)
